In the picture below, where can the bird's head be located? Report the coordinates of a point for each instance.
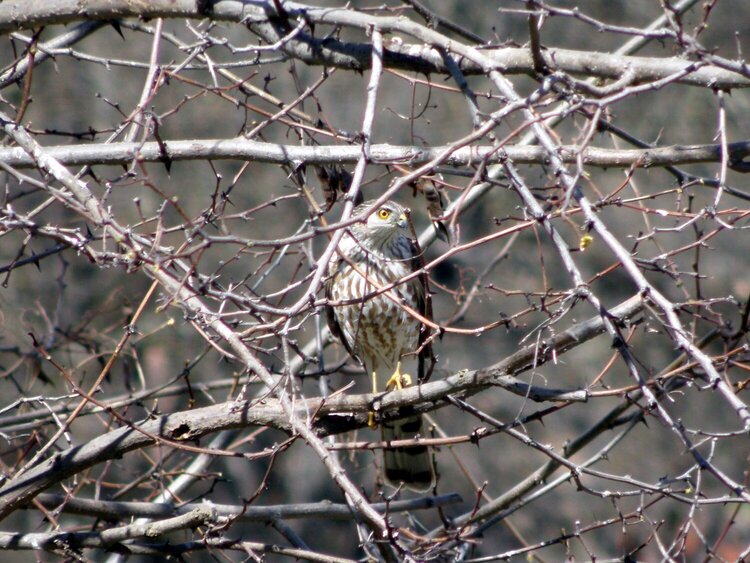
(386, 222)
(383, 229)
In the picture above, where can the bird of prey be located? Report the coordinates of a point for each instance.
(377, 328)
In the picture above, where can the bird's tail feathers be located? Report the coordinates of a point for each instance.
(410, 465)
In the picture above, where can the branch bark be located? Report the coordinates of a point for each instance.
(27, 14)
(111, 510)
(56, 541)
(245, 149)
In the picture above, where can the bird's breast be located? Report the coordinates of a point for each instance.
(377, 324)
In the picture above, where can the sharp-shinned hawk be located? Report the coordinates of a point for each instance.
(376, 328)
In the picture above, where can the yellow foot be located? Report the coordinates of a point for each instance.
(398, 380)
(371, 419)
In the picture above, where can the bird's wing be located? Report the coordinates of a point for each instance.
(424, 307)
(334, 326)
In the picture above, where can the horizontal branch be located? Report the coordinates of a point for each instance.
(119, 539)
(333, 414)
(162, 550)
(116, 510)
(54, 541)
(245, 149)
(506, 60)
(27, 14)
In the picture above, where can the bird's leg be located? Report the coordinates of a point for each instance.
(398, 380)
(371, 415)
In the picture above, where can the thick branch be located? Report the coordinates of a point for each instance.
(114, 510)
(244, 149)
(26, 14)
(103, 538)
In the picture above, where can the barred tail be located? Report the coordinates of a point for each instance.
(411, 465)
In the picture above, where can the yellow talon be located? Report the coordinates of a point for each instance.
(398, 380)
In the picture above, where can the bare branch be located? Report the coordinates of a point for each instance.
(20, 14)
(324, 510)
(245, 149)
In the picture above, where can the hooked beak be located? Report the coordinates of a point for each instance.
(403, 222)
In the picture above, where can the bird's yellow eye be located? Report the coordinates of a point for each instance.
(384, 213)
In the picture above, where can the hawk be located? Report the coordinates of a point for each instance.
(377, 329)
